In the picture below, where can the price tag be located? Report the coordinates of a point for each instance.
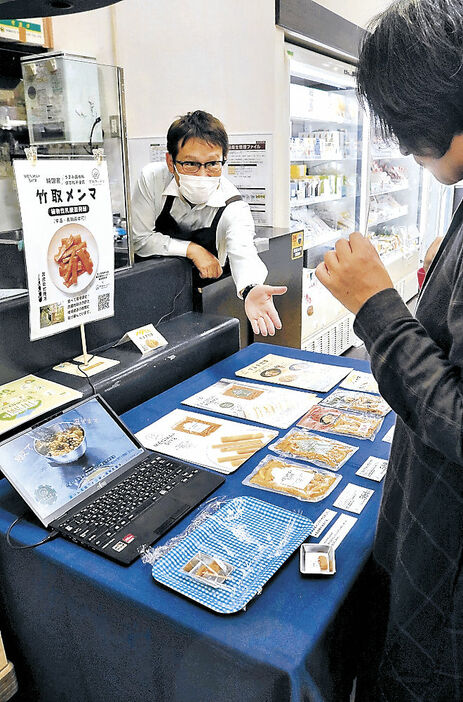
(353, 498)
(373, 469)
(146, 339)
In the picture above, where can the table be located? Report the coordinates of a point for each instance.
(89, 630)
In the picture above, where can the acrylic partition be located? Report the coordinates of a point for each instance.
(108, 134)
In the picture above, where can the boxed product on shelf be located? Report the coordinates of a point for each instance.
(384, 208)
(298, 170)
(386, 175)
(316, 230)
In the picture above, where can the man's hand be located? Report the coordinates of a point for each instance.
(206, 263)
(353, 272)
(431, 252)
(260, 309)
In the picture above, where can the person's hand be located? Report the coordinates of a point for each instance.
(353, 272)
(260, 309)
(431, 252)
(206, 263)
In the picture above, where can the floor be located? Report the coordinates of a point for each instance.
(360, 352)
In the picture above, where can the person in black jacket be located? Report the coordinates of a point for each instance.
(411, 75)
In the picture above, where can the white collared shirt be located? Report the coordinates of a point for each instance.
(235, 230)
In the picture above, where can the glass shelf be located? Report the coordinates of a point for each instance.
(382, 220)
(319, 200)
(319, 159)
(392, 189)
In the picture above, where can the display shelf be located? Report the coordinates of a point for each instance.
(319, 200)
(321, 241)
(403, 212)
(391, 156)
(392, 189)
(323, 120)
(319, 159)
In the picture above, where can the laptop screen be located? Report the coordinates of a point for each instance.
(56, 464)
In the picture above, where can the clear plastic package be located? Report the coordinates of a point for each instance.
(358, 402)
(306, 483)
(319, 450)
(333, 421)
(205, 568)
(228, 552)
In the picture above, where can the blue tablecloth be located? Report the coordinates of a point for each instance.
(84, 629)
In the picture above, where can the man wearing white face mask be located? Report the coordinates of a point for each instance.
(187, 207)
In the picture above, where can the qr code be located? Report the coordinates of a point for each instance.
(103, 302)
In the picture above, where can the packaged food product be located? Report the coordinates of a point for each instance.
(360, 402)
(320, 450)
(333, 421)
(303, 482)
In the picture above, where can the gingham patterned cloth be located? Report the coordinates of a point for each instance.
(416, 632)
(252, 536)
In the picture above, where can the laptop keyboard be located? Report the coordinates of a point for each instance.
(101, 519)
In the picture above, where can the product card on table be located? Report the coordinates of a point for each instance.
(258, 403)
(389, 435)
(214, 443)
(339, 530)
(358, 380)
(29, 397)
(295, 373)
(322, 522)
(97, 364)
(353, 498)
(373, 469)
(146, 339)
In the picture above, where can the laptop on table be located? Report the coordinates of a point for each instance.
(84, 474)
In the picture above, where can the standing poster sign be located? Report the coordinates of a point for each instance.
(68, 242)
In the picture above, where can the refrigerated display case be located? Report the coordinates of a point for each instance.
(394, 212)
(328, 159)
(437, 210)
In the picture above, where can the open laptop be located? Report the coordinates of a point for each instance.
(84, 474)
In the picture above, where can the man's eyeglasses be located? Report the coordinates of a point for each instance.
(211, 167)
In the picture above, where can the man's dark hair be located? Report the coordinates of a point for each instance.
(196, 125)
(411, 73)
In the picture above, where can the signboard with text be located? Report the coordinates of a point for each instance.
(68, 242)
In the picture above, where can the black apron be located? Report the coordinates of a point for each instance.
(205, 236)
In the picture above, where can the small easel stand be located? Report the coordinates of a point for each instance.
(8, 681)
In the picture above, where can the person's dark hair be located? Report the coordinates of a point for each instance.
(196, 125)
(411, 73)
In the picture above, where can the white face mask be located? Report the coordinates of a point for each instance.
(197, 189)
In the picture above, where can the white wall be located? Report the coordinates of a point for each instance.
(87, 33)
(225, 57)
(357, 11)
